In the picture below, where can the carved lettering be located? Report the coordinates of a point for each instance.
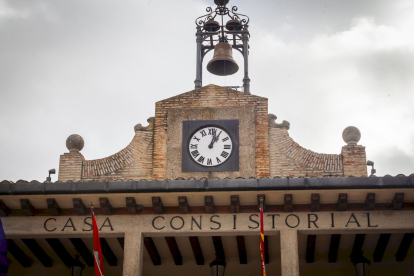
(369, 222)
(216, 222)
(352, 221)
(45, 225)
(69, 225)
(182, 223)
(109, 224)
(198, 225)
(273, 219)
(312, 221)
(292, 226)
(153, 223)
(255, 221)
(87, 223)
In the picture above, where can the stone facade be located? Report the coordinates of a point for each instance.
(266, 149)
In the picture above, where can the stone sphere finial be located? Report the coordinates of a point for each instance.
(75, 143)
(351, 135)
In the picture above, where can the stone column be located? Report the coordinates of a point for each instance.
(289, 252)
(133, 253)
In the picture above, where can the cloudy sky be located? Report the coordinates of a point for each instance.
(97, 67)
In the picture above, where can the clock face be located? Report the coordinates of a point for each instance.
(210, 146)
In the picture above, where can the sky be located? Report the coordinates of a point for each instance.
(97, 67)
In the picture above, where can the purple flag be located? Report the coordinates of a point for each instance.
(4, 265)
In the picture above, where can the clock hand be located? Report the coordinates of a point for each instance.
(212, 142)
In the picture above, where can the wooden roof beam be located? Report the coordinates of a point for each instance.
(183, 205)
(157, 205)
(266, 249)
(235, 204)
(333, 248)
(79, 206)
(53, 207)
(310, 249)
(152, 251)
(4, 210)
(18, 254)
(218, 246)
(358, 243)
(404, 246)
(209, 204)
(108, 253)
(198, 254)
(38, 252)
(27, 207)
(381, 247)
(241, 248)
(342, 204)
(83, 251)
(106, 206)
(61, 251)
(175, 251)
(288, 203)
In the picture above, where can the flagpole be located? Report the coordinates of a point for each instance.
(262, 251)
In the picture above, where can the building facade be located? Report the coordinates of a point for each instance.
(186, 190)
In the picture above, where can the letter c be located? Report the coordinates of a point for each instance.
(153, 222)
(45, 225)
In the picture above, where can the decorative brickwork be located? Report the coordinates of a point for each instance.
(133, 162)
(355, 160)
(207, 102)
(265, 147)
(289, 159)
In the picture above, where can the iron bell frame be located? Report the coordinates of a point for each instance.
(238, 39)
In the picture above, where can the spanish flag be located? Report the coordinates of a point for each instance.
(97, 253)
(262, 250)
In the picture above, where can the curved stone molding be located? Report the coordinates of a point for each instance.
(150, 126)
(132, 162)
(289, 159)
(108, 164)
(272, 122)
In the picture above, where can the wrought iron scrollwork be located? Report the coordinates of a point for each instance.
(221, 10)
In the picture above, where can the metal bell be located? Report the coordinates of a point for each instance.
(222, 63)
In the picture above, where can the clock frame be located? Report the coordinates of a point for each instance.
(231, 127)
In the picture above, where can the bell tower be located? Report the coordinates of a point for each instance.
(222, 29)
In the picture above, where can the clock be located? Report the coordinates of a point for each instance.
(211, 145)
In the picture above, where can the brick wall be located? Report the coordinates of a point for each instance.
(265, 145)
(355, 160)
(289, 159)
(132, 163)
(211, 96)
(70, 166)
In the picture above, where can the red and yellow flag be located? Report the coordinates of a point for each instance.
(262, 250)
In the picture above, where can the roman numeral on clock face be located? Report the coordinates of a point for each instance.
(198, 140)
(193, 146)
(225, 139)
(209, 161)
(224, 154)
(227, 146)
(203, 133)
(195, 153)
(212, 131)
(201, 159)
